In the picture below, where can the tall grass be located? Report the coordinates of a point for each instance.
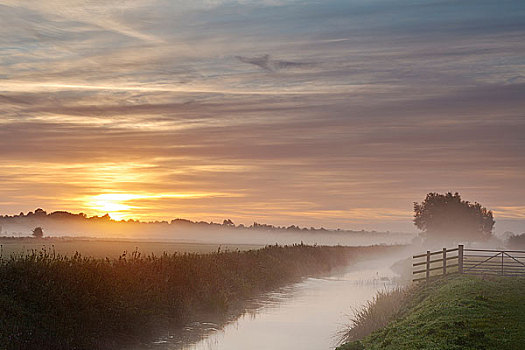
(48, 301)
(374, 315)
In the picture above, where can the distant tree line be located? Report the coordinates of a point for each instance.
(39, 216)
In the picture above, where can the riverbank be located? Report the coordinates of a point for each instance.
(457, 312)
(49, 301)
(301, 315)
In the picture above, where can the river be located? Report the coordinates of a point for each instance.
(305, 315)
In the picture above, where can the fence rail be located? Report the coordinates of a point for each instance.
(468, 261)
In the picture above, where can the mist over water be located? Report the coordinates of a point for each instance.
(306, 315)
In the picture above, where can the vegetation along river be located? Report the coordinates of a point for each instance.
(306, 315)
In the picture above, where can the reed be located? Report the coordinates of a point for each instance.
(50, 301)
(374, 315)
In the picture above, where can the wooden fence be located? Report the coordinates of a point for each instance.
(468, 261)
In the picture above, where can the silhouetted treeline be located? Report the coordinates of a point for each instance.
(22, 224)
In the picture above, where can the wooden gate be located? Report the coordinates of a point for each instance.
(468, 261)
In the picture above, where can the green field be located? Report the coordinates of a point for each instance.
(455, 313)
(99, 248)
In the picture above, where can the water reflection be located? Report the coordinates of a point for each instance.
(305, 316)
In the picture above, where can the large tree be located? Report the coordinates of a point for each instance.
(446, 217)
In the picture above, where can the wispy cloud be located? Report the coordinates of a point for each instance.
(513, 212)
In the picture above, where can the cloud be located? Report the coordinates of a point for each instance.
(375, 105)
(511, 212)
(96, 13)
(271, 65)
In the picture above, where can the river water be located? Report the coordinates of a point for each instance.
(306, 315)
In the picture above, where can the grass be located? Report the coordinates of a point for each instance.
(452, 313)
(375, 314)
(50, 301)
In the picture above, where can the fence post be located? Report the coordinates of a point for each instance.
(428, 265)
(460, 258)
(502, 264)
(444, 261)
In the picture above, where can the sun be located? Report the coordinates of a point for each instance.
(115, 204)
(121, 206)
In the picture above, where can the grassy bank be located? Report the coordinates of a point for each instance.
(457, 312)
(55, 302)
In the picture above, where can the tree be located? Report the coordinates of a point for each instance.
(38, 232)
(516, 241)
(228, 222)
(446, 217)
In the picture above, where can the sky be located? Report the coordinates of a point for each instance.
(316, 113)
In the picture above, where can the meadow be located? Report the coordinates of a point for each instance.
(107, 248)
(53, 301)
